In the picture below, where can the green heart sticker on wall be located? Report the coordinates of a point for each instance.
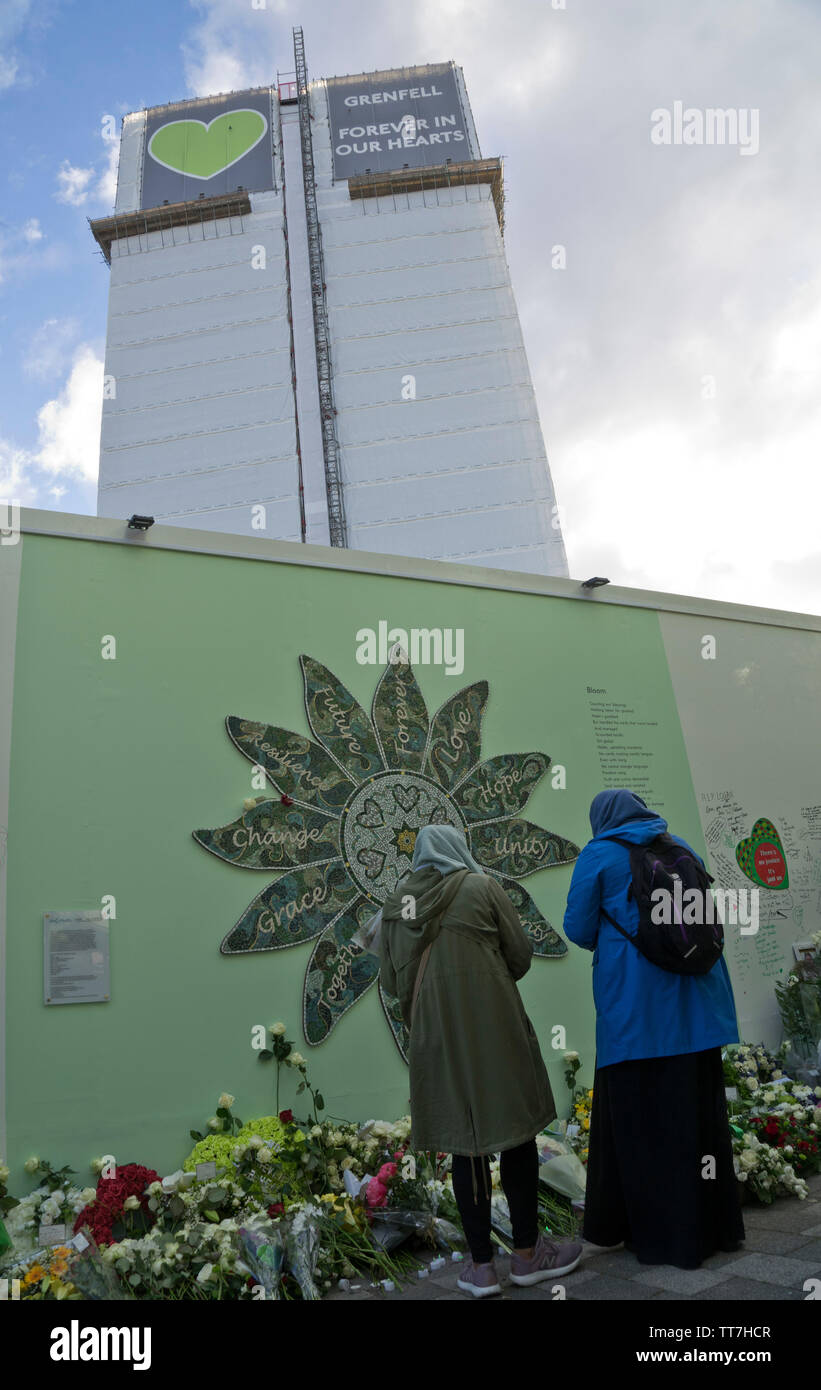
(762, 858)
(200, 150)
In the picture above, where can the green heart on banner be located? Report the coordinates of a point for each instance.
(200, 150)
(761, 857)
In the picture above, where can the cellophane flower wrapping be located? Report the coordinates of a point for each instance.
(560, 1168)
(302, 1248)
(262, 1254)
(90, 1274)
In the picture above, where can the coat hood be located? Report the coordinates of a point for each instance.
(432, 892)
(445, 848)
(614, 810)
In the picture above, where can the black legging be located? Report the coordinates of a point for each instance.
(519, 1173)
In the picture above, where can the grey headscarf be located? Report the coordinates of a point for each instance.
(445, 848)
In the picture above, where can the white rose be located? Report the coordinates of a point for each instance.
(215, 1122)
(31, 1165)
(315, 1131)
(769, 1095)
(96, 1165)
(88, 1194)
(4, 1173)
(264, 1155)
(296, 1059)
(571, 1056)
(131, 1204)
(255, 1142)
(155, 1189)
(205, 1274)
(225, 1101)
(278, 1030)
(157, 1267)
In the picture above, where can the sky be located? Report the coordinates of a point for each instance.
(670, 294)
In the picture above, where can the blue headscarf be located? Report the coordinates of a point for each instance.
(445, 848)
(615, 807)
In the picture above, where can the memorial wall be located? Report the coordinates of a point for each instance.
(214, 771)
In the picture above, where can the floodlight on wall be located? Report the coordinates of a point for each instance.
(595, 582)
(140, 523)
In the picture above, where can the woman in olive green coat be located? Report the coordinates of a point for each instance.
(478, 1084)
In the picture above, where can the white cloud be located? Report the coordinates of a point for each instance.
(70, 424)
(234, 46)
(73, 184)
(13, 17)
(106, 190)
(32, 231)
(79, 186)
(8, 72)
(49, 347)
(68, 445)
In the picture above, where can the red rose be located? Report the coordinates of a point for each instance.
(276, 1209)
(287, 1117)
(286, 800)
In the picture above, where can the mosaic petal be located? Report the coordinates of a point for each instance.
(396, 1023)
(455, 735)
(339, 722)
(546, 940)
(400, 716)
(273, 836)
(293, 909)
(294, 764)
(517, 847)
(501, 786)
(338, 973)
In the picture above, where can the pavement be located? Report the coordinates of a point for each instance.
(781, 1252)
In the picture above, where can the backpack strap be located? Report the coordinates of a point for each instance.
(614, 923)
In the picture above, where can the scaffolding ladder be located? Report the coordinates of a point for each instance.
(330, 445)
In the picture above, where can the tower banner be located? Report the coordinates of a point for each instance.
(385, 120)
(207, 147)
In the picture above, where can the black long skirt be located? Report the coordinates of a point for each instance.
(660, 1164)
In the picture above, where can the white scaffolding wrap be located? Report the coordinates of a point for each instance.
(441, 449)
(201, 428)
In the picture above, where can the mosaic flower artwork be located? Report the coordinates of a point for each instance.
(340, 828)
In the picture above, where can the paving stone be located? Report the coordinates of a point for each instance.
(680, 1281)
(724, 1257)
(787, 1214)
(605, 1288)
(620, 1263)
(763, 1239)
(813, 1230)
(746, 1290)
(776, 1269)
(810, 1251)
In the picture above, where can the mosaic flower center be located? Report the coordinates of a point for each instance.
(380, 824)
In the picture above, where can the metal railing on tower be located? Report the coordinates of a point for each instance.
(330, 445)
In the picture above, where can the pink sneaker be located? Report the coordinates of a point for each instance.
(549, 1260)
(480, 1280)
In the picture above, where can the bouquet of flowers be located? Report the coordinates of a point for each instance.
(765, 1170)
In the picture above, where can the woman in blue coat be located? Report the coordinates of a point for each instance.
(660, 1174)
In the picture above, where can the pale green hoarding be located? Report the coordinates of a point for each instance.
(128, 787)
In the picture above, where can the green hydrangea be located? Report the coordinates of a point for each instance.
(268, 1128)
(219, 1148)
(215, 1148)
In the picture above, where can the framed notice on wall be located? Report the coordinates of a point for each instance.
(75, 958)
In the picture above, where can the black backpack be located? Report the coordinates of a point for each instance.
(687, 937)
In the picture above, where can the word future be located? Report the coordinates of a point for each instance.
(434, 646)
(710, 127)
